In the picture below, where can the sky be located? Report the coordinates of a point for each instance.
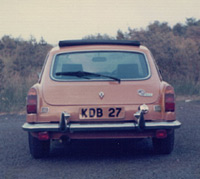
(56, 20)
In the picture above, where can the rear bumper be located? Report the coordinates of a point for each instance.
(122, 126)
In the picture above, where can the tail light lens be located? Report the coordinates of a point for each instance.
(31, 106)
(169, 99)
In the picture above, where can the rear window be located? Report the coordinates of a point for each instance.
(121, 65)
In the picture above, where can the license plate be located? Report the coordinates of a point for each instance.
(101, 113)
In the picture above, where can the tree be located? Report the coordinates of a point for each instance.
(192, 22)
(99, 36)
(179, 30)
(120, 35)
(42, 41)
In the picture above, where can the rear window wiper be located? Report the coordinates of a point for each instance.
(84, 74)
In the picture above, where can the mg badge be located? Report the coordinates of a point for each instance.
(142, 92)
(101, 94)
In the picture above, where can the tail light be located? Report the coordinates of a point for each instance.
(31, 106)
(169, 99)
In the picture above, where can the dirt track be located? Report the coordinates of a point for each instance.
(103, 159)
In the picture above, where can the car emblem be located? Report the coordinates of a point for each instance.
(101, 94)
(142, 92)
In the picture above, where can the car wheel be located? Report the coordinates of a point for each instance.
(164, 146)
(38, 149)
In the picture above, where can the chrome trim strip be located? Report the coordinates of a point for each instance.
(100, 127)
(163, 125)
(40, 127)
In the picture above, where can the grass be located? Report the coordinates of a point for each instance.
(187, 89)
(13, 97)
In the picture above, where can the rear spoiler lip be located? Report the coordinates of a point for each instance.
(67, 43)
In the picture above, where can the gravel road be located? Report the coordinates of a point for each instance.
(103, 159)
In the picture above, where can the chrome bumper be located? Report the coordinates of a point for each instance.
(73, 127)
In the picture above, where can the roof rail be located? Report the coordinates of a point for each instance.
(65, 43)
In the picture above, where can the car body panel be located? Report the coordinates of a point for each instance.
(55, 97)
(87, 93)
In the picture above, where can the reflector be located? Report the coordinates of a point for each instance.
(161, 134)
(43, 136)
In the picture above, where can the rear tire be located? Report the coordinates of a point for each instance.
(38, 149)
(164, 146)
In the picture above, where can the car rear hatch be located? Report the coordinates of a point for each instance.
(100, 93)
